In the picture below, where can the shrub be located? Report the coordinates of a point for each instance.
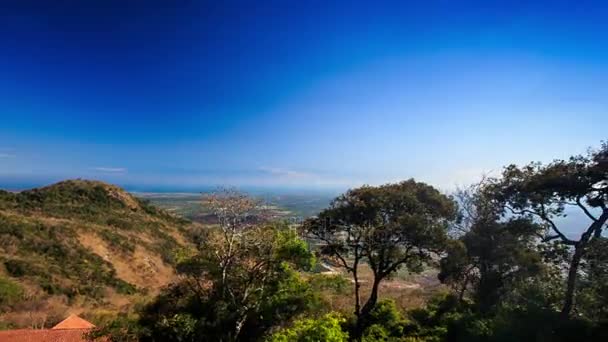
(117, 241)
(18, 268)
(327, 328)
(119, 223)
(10, 292)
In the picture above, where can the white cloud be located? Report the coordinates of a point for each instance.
(110, 169)
(289, 177)
(285, 173)
(460, 177)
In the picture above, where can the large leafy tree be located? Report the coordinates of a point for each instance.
(544, 191)
(386, 227)
(489, 253)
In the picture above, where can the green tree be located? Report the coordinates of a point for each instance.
(593, 292)
(385, 323)
(490, 257)
(241, 281)
(388, 227)
(490, 254)
(545, 191)
(10, 292)
(327, 329)
(260, 288)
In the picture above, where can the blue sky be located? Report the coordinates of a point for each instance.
(310, 94)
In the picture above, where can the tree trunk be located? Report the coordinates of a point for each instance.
(373, 299)
(579, 250)
(239, 327)
(366, 310)
(572, 277)
(357, 295)
(463, 289)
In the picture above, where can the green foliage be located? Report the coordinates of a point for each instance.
(124, 328)
(69, 199)
(386, 324)
(335, 283)
(40, 231)
(544, 191)
(375, 333)
(292, 296)
(120, 223)
(289, 247)
(592, 296)
(154, 211)
(388, 227)
(242, 300)
(179, 327)
(57, 262)
(10, 292)
(327, 328)
(117, 241)
(91, 201)
(19, 268)
(445, 318)
(6, 326)
(387, 316)
(490, 256)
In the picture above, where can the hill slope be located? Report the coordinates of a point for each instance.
(81, 245)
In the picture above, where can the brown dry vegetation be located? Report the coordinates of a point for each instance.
(409, 291)
(82, 247)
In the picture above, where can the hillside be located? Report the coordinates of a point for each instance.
(82, 246)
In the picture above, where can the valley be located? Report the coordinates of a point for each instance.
(288, 206)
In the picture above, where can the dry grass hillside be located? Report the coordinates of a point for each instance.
(83, 247)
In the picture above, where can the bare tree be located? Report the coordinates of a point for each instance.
(235, 212)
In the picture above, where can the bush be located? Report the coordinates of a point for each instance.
(10, 292)
(375, 333)
(117, 241)
(387, 316)
(327, 328)
(19, 268)
(124, 328)
(119, 223)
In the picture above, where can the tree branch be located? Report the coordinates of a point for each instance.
(344, 263)
(396, 264)
(542, 215)
(578, 202)
(550, 238)
(554, 226)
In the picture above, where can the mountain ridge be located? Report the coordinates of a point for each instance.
(82, 245)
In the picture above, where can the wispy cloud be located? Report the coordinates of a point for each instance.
(285, 173)
(284, 176)
(6, 155)
(459, 177)
(111, 169)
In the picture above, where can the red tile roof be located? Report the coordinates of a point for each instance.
(74, 322)
(71, 329)
(45, 335)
